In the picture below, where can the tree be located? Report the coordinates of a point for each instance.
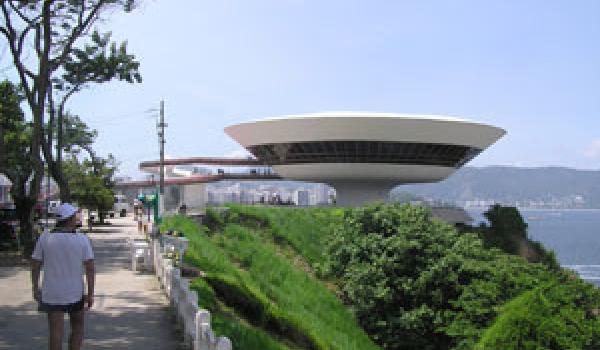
(42, 37)
(90, 176)
(508, 231)
(91, 182)
(77, 136)
(550, 317)
(97, 62)
(15, 157)
(416, 283)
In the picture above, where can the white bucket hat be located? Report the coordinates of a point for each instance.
(66, 210)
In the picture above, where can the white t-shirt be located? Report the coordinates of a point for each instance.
(62, 255)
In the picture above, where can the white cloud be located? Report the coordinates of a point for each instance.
(517, 164)
(238, 153)
(593, 150)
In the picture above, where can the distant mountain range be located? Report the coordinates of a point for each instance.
(549, 187)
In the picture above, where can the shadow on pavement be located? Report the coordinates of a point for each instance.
(124, 328)
(125, 316)
(8, 271)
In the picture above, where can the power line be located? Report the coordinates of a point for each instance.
(110, 118)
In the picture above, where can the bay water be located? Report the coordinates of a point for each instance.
(574, 235)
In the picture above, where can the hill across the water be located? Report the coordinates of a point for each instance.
(549, 187)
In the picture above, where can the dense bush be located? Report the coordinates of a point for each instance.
(416, 283)
(508, 232)
(551, 317)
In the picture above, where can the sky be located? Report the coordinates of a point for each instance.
(530, 67)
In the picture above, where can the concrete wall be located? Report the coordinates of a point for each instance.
(172, 197)
(194, 196)
(354, 194)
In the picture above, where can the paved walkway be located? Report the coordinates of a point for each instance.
(130, 310)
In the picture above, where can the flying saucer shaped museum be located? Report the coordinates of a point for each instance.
(364, 155)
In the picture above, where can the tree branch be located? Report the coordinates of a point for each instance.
(5, 32)
(60, 133)
(82, 25)
(20, 14)
(9, 32)
(51, 118)
(31, 23)
(37, 41)
(22, 37)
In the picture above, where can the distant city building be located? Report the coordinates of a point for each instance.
(322, 195)
(302, 198)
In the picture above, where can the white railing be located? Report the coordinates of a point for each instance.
(195, 322)
(140, 255)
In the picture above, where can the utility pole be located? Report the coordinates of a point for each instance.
(160, 126)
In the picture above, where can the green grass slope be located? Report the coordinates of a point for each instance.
(260, 283)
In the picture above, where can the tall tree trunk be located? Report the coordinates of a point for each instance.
(25, 209)
(38, 109)
(56, 171)
(61, 181)
(57, 166)
(63, 184)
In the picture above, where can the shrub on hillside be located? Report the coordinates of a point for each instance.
(508, 232)
(416, 283)
(213, 219)
(552, 317)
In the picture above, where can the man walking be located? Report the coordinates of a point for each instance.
(63, 254)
